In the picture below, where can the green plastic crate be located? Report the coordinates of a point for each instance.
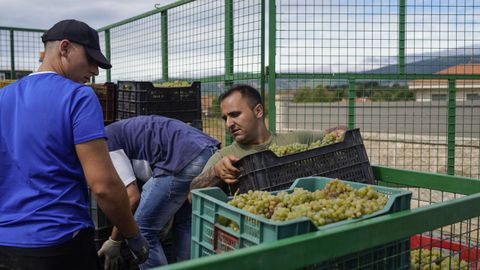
(209, 203)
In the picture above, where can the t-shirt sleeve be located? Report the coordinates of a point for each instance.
(87, 116)
(308, 137)
(123, 166)
(212, 161)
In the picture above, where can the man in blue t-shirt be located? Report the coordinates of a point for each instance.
(166, 155)
(52, 145)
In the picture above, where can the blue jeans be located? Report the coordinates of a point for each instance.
(163, 198)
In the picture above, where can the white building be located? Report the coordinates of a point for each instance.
(437, 90)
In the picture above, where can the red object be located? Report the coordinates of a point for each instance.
(223, 241)
(467, 253)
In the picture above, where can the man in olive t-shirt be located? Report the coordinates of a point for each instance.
(242, 110)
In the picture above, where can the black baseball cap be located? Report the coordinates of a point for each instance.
(80, 33)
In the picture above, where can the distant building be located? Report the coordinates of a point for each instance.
(437, 90)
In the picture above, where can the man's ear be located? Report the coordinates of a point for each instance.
(64, 47)
(258, 110)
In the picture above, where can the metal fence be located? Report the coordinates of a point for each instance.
(407, 73)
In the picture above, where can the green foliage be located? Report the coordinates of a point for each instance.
(173, 84)
(318, 94)
(370, 90)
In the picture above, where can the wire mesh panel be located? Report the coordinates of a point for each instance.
(196, 52)
(199, 50)
(455, 246)
(398, 66)
(441, 35)
(247, 28)
(196, 40)
(102, 73)
(403, 71)
(23, 47)
(28, 46)
(442, 38)
(336, 36)
(136, 50)
(5, 63)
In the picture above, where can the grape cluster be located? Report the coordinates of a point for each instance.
(329, 138)
(337, 201)
(173, 84)
(423, 259)
(282, 150)
(228, 223)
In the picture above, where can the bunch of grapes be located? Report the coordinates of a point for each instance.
(224, 221)
(337, 201)
(127, 87)
(329, 138)
(421, 259)
(332, 137)
(173, 84)
(282, 150)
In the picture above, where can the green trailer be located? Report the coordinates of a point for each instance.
(444, 216)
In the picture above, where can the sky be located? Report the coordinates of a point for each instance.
(97, 13)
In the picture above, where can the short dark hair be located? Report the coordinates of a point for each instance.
(251, 94)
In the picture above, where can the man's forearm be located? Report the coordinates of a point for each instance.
(206, 179)
(133, 198)
(113, 203)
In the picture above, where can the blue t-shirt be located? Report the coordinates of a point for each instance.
(167, 145)
(43, 192)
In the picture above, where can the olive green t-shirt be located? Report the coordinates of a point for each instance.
(239, 150)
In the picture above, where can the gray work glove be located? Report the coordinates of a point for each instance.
(139, 247)
(111, 251)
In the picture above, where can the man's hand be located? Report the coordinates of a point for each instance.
(225, 170)
(111, 251)
(139, 247)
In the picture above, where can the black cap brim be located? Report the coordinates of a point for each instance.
(98, 57)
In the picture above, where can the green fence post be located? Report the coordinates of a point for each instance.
(401, 37)
(107, 53)
(272, 30)
(12, 56)
(228, 80)
(164, 36)
(262, 51)
(451, 126)
(351, 103)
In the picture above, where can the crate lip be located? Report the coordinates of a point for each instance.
(194, 83)
(394, 193)
(287, 159)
